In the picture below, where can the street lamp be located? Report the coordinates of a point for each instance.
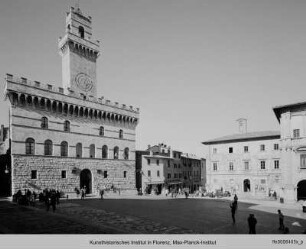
(6, 171)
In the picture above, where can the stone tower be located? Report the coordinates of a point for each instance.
(79, 55)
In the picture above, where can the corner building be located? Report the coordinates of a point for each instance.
(66, 137)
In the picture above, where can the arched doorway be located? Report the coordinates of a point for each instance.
(86, 180)
(301, 190)
(246, 185)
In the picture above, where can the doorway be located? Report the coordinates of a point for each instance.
(86, 180)
(246, 185)
(301, 190)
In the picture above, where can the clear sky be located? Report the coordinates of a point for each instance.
(192, 66)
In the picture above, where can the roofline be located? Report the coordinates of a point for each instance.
(226, 141)
(278, 109)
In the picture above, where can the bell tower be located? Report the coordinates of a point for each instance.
(79, 55)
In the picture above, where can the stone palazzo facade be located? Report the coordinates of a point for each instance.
(66, 137)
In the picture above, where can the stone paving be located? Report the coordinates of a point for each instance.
(71, 218)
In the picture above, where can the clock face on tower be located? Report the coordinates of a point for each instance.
(83, 82)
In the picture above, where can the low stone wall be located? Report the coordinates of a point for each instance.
(49, 173)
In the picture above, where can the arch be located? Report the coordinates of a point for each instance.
(104, 152)
(104, 115)
(76, 111)
(29, 100)
(81, 112)
(78, 149)
(54, 106)
(64, 148)
(126, 153)
(71, 109)
(60, 107)
(86, 112)
(67, 126)
(116, 152)
(81, 32)
(48, 104)
(92, 151)
(99, 114)
(90, 113)
(44, 123)
(65, 108)
(246, 185)
(112, 117)
(95, 114)
(42, 103)
(101, 131)
(35, 101)
(301, 190)
(86, 180)
(48, 147)
(22, 100)
(30, 146)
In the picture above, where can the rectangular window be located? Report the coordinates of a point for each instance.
(246, 149)
(168, 163)
(215, 166)
(231, 166)
(215, 150)
(157, 162)
(105, 174)
(262, 147)
(276, 164)
(175, 175)
(263, 181)
(169, 176)
(296, 133)
(230, 150)
(149, 161)
(64, 174)
(158, 173)
(180, 175)
(175, 166)
(276, 146)
(34, 174)
(149, 173)
(303, 161)
(246, 165)
(262, 164)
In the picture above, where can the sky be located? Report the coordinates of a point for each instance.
(193, 67)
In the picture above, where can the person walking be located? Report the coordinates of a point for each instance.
(233, 211)
(281, 220)
(252, 221)
(101, 193)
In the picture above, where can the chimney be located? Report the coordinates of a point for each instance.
(242, 125)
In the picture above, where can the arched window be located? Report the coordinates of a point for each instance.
(48, 148)
(101, 131)
(81, 31)
(92, 151)
(104, 152)
(120, 133)
(126, 153)
(64, 148)
(30, 146)
(116, 152)
(67, 126)
(79, 150)
(44, 123)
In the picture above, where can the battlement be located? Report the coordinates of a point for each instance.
(71, 93)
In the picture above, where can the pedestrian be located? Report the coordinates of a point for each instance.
(233, 211)
(252, 221)
(58, 196)
(82, 193)
(236, 201)
(281, 220)
(101, 193)
(53, 200)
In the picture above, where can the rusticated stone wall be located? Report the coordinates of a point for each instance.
(49, 173)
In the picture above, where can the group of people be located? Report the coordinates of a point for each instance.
(252, 221)
(28, 198)
(50, 197)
